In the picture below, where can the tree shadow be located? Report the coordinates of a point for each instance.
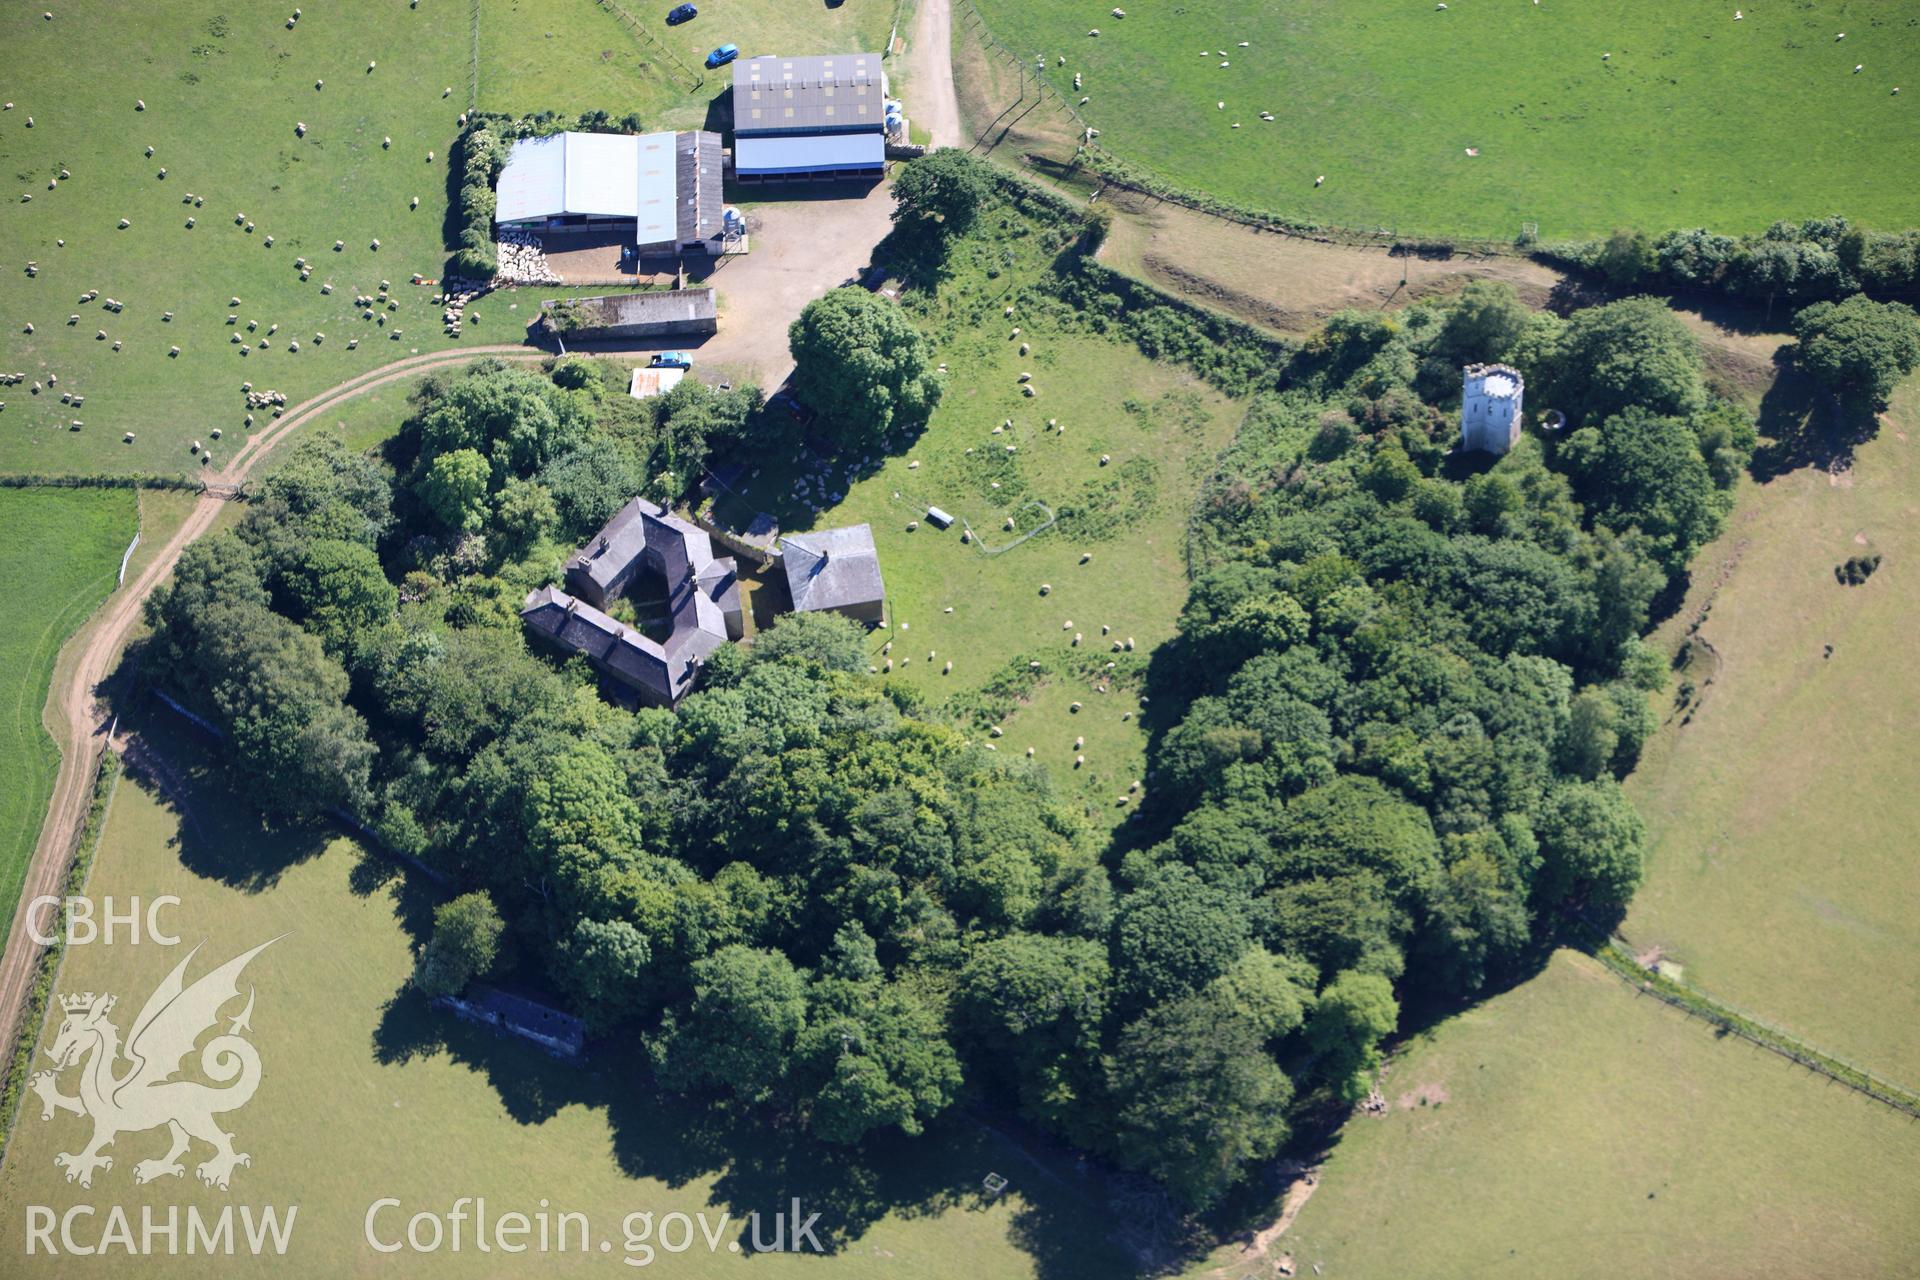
(1802, 425)
(760, 1163)
(219, 835)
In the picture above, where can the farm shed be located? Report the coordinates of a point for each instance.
(835, 570)
(648, 383)
(809, 118)
(667, 185)
(560, 1034)
(657, 314)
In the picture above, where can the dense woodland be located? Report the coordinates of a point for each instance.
(1385, 766)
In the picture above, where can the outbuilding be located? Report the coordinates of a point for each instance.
(658, 313)
(835, 570)
(809, 118)
(665, 186)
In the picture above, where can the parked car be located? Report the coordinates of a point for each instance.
(671, 360)
(722, 56)
(681, 13)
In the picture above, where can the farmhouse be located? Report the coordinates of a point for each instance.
(835, 570)
(1490, 402)
(664, 186)
(803, 119)
(659, 313)
(703, 603)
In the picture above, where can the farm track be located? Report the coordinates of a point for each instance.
(73, 715)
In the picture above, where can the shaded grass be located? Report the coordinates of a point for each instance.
(58, 558)
(1695, 119)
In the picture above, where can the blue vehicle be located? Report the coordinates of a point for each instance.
(681, 13)
(671, 360)
(722, 56)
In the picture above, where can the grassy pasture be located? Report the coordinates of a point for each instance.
(1159, 426)
(1694, 119)
(572, 55)
(224, 89)
(1780, 816)
(366, 1095)
(1573, 1129)
(58, 559)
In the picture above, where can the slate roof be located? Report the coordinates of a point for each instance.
(702, 591)
(832, 568)
(832, 93)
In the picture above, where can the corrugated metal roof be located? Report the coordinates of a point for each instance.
(832, 91)
(614, 175)
(809, 153)
(534, 183)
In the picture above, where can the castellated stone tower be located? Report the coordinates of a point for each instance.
(1490, 407)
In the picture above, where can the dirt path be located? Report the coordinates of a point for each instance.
(934, 105)
(74, 718)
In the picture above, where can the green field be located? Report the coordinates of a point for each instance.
(224, 89)
(58, 558)
(1695, 119)
(573, 55)
(1571, 1129)
(1780, 819)
(364, 1096)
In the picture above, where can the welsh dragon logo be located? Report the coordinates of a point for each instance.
(142, 1094)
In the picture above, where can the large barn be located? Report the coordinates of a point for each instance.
(665, 186)
(809, 119)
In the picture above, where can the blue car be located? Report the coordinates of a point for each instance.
(671, 360)
(681, 13)
(722, 56)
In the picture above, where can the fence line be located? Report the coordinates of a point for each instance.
(1616, 953)
(639, 30)
(1130, 176)
(1042, 87)
(473, 66)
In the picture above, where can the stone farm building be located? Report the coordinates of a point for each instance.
(808, 119)
(665, 187)
(835, 570)
(703, 603)
(656, 313)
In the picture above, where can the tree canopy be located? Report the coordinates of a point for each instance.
(861, 363)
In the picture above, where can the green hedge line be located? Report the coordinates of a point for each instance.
(27, 1031)
(1616, 958)
(478, 156)
(1792, 262)
(130, 480)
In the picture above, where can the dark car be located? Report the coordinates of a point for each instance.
(681, 13)
(722, 56)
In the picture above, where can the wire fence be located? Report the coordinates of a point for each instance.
(1617, 953)
(473, 66)
(1128, 175)
(1035, 65)
(694, 80)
